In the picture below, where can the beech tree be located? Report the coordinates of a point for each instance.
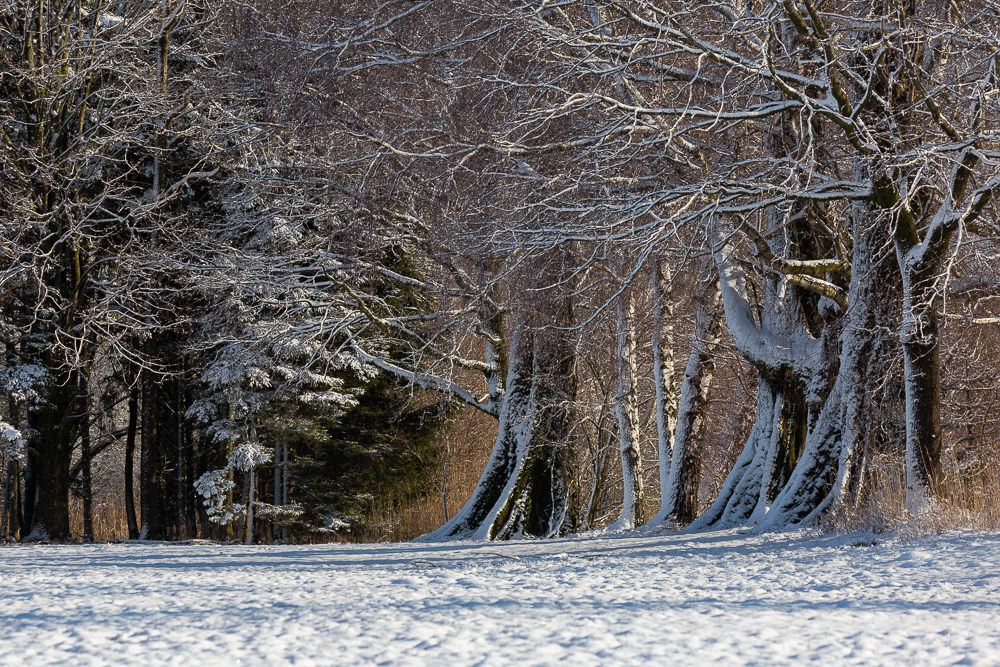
(224, 225)
(795, 146)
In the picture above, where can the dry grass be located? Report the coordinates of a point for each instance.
(969, 499)
(109, 519)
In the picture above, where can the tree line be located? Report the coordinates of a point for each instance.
(271, 250)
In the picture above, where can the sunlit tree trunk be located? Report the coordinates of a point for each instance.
(627, 412)
(680, 492)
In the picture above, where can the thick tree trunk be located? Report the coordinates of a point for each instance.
(747, 465)
(537, 501)
(823, 476)
(791, 365)
(525, 489)
(517, 416)
(920, 341)
(53, 449)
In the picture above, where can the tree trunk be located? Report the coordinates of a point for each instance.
(920, 341)
(824, 475)
(666, 403)
(628, 418)
(30, 496)
(284, 482)
(517, 415)
(250, 499)
(6, 467)
(241, 523)
(275, 529)
(84, 421)
(190, 495)
(180, 506)
(680, 493)
(53, 447)
(169, 448)
(538, 501)
(13, 530)
(791, 365)
(150, 475)
(133, 419)
(11, 526)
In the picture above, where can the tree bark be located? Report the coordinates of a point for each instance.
(792, 365)
(53, 448)
(665, 385)
(133, 419)
(680, 493)
(30, 495)
(627, 413)
(250, 499)
(11, 526)
(920, 340)
(517, 415)
(83, 389)
(150, 475)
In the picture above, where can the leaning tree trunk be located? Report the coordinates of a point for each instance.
(517, 416)
(680, 491)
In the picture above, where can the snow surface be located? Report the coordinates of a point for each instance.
(723, 598)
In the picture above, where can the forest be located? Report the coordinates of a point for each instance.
(334, 270)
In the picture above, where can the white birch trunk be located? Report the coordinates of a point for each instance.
(628, 417)
(679, 492)
(663, 377)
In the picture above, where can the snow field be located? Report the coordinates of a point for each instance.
(717, 599)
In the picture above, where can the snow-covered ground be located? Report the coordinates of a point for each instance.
(721, 598)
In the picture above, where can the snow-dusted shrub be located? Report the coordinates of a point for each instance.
(12, 442)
